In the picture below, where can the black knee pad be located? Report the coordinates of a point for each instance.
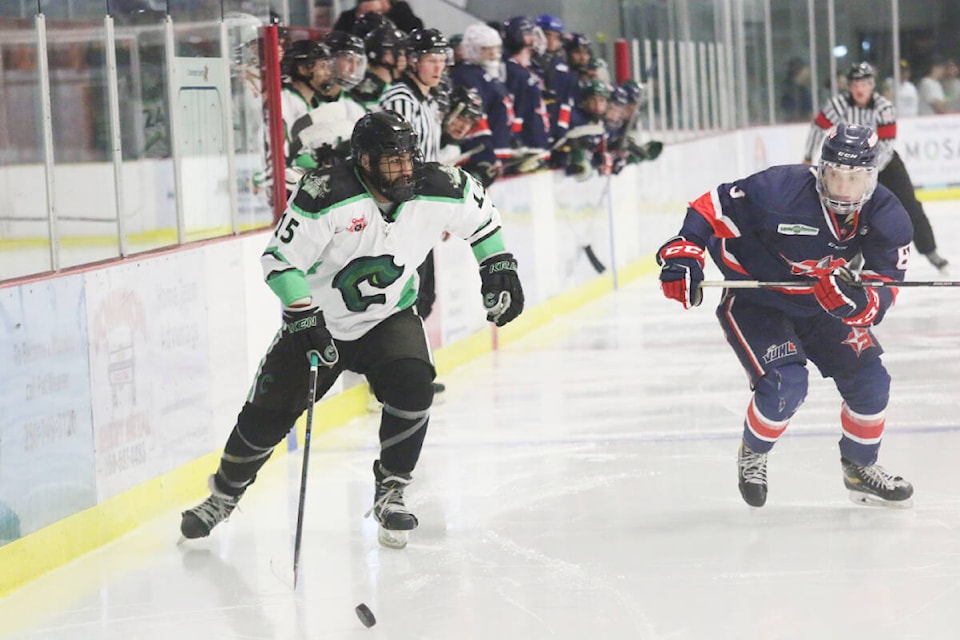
(405, 384)
(264, 427)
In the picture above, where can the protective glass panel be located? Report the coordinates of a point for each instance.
(85, 203)
(793, 75)
(149, 201)
(201, 100)
(24, 226)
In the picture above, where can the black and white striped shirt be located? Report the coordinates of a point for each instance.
(422, 112)
(879, 114)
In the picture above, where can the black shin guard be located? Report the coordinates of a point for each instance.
(250, 445)
(407, 394)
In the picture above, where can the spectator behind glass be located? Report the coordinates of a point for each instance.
(932, 98)
(403, 16)
(951, 85)
(348, 18)
(907, 99)
(796, 102)
(322, 17)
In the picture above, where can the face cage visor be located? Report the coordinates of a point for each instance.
(349, 68)
(843, 191)
(392, 184)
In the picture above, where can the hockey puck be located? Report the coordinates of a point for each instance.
(365, 615)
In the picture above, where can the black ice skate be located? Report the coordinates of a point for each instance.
(200, 520)
(873, 485)
(388, 509)
(753, 476)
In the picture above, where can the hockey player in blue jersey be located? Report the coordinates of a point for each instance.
(804, 224)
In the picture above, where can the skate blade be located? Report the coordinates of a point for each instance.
(393, 539)
(870, 500)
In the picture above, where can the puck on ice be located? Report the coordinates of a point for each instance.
(365, 615)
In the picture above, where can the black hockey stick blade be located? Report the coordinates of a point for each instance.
(756, 284)
(594, 260)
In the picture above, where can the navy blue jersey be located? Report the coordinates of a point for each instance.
(530, 124)
(771, 227)
(494, 127)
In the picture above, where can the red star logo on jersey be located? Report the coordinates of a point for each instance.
(357, 224)
(815, 268)
(859, 340)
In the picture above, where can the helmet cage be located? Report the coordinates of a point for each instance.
(382, 135)
(843, 190)
(846, 175)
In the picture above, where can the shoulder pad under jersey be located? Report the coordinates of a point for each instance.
(443, 181)
(324, 188)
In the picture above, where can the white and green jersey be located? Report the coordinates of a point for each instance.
(309, 126)
(333, 244)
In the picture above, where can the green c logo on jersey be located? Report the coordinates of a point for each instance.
(378, 271)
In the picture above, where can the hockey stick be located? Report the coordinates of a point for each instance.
(754, 284)
(329, 358)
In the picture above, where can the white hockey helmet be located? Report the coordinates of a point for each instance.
(476, 38)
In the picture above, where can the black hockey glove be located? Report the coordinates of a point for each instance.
(306, 326)
(681, 271)
(500, 288)
(842, 295)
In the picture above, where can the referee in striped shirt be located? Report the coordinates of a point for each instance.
(428, 54)
(861, 104)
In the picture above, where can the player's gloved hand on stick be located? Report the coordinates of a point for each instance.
(307, 327)
(681, 271)
(500, 288)
(841, 294)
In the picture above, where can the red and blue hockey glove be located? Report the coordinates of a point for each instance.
(681, 271)
(500, 288)
(306, 326)
(842, 294)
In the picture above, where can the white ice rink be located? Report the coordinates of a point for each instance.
(580, 483)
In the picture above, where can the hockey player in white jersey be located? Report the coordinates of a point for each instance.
(343, 262)
(318, 125)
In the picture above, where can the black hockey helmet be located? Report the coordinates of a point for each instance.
(385, 134)
(339, 41)
(515, 32)
(381, 40)
(847, 175)
(422, 41)
(301, 52)
(350, 60)
(465, 111)
(465, 103)
(861, 71)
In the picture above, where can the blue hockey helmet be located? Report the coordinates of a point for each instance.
(636, 92)
(573, 41)
(548, 22)
(515, 34)
(847, 175)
